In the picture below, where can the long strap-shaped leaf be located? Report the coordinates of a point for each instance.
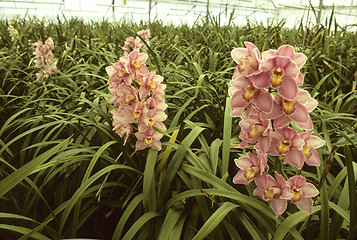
(16, 177)
(214, 220)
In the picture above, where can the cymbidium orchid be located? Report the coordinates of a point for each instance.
(252, 168)
(44, 58)
(265, 93)
(243, 93)
(149, 138)
(284, 111)
(302, 192)
(286, 142)
(275, 190)
(280, 73)
(139, 98)
(309, 148)
(254, 128)
(247, 59)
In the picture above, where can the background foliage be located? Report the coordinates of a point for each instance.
(65, 174)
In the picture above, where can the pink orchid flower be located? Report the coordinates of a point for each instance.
(150, 82)
(284, 111)
(288, 51)
(276, 191)
(243, 93)
(280, 73)
(302, 192)
(118, 73)
(252, 168)
(137, 114)
(120, 126)
(253, 128)
(149, 138)
(247, 59)
(134, 62)
(286, 142)
(309, 149)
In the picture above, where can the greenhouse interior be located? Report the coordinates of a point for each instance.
(178, 119)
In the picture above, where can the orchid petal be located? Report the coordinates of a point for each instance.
(243, 162)
(263, 101)
(315, 141)
(295, 157)
(314, 160)
(279, 206)
(281, 121)
(300, 114)
(261, 180)
(239, 53)
(237, 100)
(261, 80)
(305, 204)
(239, 178)
(309, 190)
(305, 126)
(288, 89)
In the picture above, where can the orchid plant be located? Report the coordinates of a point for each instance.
(265, 92)
(138, 96)
(44, 58)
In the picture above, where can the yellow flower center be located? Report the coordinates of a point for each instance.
(307, 150)
(148, 141)
(276, 78)
(288, 106)
(252, 131)
(296, 195)
(137, 114)
(283, 146)
(129, 98)
(271, 192)
(248, 61)
(151, 122)
(151, 84)
(249, 92)
(120, 73)
(250, 173)
(136, 64)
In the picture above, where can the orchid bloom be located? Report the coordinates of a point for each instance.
(150, 82)
(288, 51)
(286, 142)
(276, 191)
(284, 111)
(243, 93)
(117, 73)
(253, 128)
(134, 62)
(309, 149)
(252, 168)
(280, 73)
(248, 59)
(149, 138)
(302, 192)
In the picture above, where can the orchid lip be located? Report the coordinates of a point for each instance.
(283, 146)
(288, 106)
(148, 141)
(296, 195)
(276, 79)
(307, 150)
(250, 173)
(249, 92)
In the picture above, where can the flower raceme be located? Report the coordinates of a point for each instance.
(138, 96)
(265, 92)
(44, 58)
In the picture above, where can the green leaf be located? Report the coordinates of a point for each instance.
(292, 221)
(138, 224)
(149, 188)
(16, 177)
(214, 220)
(226, 137)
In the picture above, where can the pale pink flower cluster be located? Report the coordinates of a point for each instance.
(138, 96)
(44, 58)
(135, 44)
(265, 93)
(14, 34)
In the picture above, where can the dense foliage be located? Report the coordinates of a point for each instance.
(65, 174)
